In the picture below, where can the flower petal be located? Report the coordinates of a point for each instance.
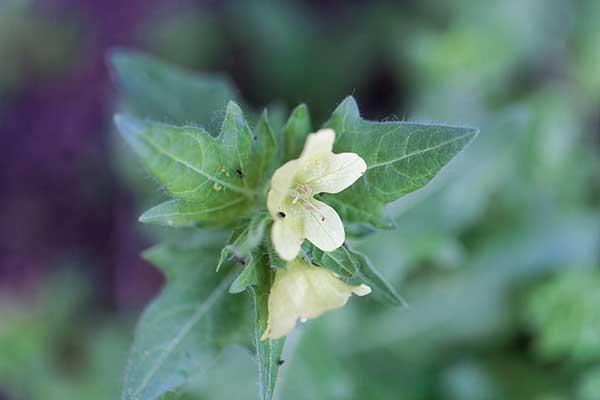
(323, 226)
(318, 144)
(281, 182)
(287, 238)
(302, 291)
(332, 173)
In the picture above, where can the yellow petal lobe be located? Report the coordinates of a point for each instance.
(302, 292)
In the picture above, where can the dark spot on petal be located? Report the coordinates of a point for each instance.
(281, 214)
(322, 219)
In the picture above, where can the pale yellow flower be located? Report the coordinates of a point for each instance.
(297, 215)
(301, 292)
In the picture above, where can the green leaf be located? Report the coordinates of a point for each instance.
(244, 240)
(184, 213)
(268, 352)
(295, 130)
(401, 157)
(588, 387)
(184, 329)
(274, 260)
(186, 160)
(564, 314)
(354, 268)
(266, 148)
(216, 180)
(164, 92)
(245, 279)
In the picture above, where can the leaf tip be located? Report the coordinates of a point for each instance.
(348, 106)
(474, 132)
(264, 117)
(129, 127)
(145, 218)
(115, 56)
(470, 134)
(232, 108)
(301, 111)
(156, 216)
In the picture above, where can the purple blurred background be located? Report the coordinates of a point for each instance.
(61, 201)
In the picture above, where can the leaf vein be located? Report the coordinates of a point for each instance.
(197, 170)
(202, 310)
(415, 153)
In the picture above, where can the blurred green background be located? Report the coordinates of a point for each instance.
(498, 258)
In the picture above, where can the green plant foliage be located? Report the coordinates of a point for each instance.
(589, 386)
(490, 276)
(268, 353)
(182, 213)
(245, 279)
(222, 181)
(563, 313)
(354, 268)
(295, 130)
(32, 344)
(213, 180)
(166, 93)
(183, 330)
(401, 158)
(242, 248)
(244, 240)
(497, 257)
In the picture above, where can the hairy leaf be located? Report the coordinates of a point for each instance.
(265, 150)
(245, 279)
(215, 179)
(354, 268)
(268, 352)
(401, 157)
(167, 93)
(294, 132)
(184, 329)
(183, 213)
(244, 240)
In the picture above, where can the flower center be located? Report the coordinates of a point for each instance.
(301, 193)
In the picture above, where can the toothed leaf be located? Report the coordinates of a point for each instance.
(354, 268)
(167, 93)
(401, 157)
(183, 330)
